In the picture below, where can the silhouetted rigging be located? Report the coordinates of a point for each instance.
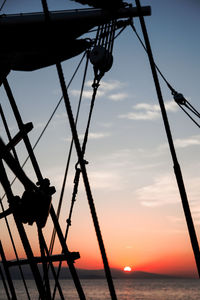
(27, 55)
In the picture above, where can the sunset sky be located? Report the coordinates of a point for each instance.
(130, 167)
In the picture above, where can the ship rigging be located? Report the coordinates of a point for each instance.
(22, 52)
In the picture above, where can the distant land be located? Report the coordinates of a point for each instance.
(90, 274)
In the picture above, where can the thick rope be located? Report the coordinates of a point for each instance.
(22, 233)
(52, 212)
(49, 120)
(177, 169)
(69, 158)
(193, 120)
(44, 264)
(186, 103)
(86, 182)
(40, 180)
(78, 171)
(2, 5)
(4, 284)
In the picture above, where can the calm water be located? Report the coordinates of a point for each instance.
(148, 289)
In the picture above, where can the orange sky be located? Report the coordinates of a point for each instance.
(130, 168)
(152, 247)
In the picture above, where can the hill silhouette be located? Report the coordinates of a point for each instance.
(89, 274)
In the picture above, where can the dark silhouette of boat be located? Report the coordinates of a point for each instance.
(38, 40)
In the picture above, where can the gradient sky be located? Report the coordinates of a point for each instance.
(130, 168)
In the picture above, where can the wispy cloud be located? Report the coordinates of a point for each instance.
(105, 89)
(164, 191)
(193, 140)
(146, 111)
(87, 94)
(109, 85)
(161, 192)
(105, 180)
(106, 125)
(118, 97)
(93, 136)
(96, 135)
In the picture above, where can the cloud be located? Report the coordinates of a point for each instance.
(105, 180)
(96, 135)
(93, 136)
(106, 125)
(105, 89)
(148, 115)
(118, 97)
(107, 86)
(193, 140)
(164, 191)
(161, 192)
(87, 94)
(146, 111)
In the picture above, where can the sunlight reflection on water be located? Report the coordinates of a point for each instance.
(126, 289)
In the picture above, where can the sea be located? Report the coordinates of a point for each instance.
(126, 289)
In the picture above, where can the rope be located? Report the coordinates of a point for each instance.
(49, 120)
(185, 102)
(36, 143)
(177, 169)
(20, 126)
(4, 284)
(86, 181)
(22, 233)
(2, 5)
(189, 106)
(7, 188)
(116, 36)
(78, 170)
(143, 45)
(95, 88)
(69, 158)
(8, 132)
(12, 241)
(52, 269)
(52, 212)
(7, 273)
(40, 180)
(188, 115)
(16, 254)
(44, 264)
(105, 34)
(2, 207)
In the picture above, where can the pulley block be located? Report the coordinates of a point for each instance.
(34, 205)
(101, 58)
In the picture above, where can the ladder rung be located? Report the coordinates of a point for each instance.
(53, 258)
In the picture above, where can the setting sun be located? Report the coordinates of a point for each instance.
(127, 269)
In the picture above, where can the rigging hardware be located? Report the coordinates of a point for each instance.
(101, 55)
(181, 101)
(29, 185)
(34, 205)
(101, 63)
(177, 169)
(178, 97)
(86, 182)
(102, 68)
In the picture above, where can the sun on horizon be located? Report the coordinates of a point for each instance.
(127, 269)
